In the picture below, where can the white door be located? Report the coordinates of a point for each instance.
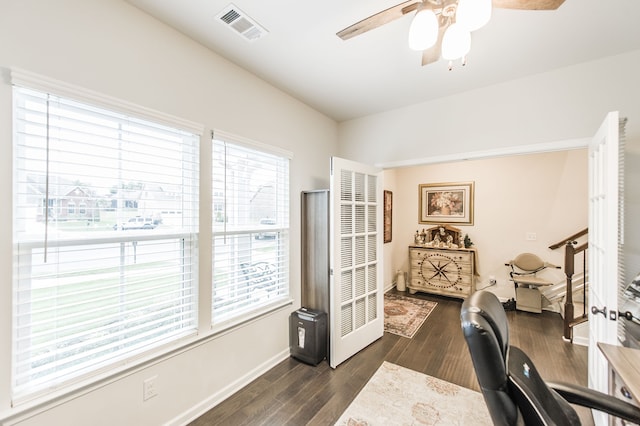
(356, 289)
(604, 238)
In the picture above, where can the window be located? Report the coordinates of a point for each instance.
(250, 184)
(91, 287)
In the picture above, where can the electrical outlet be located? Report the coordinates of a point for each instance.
(531, 236)
(149, 389)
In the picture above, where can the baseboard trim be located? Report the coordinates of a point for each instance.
(224, 393)
(581, 334)
(582, 341)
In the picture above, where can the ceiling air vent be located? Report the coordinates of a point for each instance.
(241, 23)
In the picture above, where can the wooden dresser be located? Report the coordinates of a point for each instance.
(444, 271)
(624, 374)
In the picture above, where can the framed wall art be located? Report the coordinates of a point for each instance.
(388, 209)
(446, 203)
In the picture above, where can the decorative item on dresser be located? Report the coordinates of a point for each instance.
(443, 236)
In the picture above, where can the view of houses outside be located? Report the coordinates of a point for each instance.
(105, 235)
(105, 231)
(73, 205)
(250, 229)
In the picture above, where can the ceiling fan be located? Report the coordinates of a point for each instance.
(441, 28)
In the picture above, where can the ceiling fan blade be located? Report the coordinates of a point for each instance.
(528, 4)
(379, 19)
(433, 53)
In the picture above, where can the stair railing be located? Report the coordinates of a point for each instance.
(570, 253)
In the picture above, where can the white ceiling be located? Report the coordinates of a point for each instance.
(377, 71)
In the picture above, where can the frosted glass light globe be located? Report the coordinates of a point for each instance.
(473, 14)
(456, 42)
(423, 32)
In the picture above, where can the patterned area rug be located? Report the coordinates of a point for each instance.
(398, 396)
(404, 315)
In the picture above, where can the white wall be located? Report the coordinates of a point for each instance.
(564, 104)
(553, 107)
(110, 47)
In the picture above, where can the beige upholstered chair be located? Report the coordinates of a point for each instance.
(523, 272)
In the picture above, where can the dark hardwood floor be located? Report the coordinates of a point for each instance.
(293, 393)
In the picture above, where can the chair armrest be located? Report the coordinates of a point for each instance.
(591, 398)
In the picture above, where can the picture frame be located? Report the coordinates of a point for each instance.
(450, 202)
(387, 220)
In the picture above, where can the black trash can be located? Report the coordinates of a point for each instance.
(308, 335)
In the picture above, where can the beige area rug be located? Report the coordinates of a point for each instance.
(398, 396)
(404, 315)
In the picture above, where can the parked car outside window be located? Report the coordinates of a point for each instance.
(266, 223)
(137, 222)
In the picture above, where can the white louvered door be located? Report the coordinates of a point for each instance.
(605, 239)
(356, 289)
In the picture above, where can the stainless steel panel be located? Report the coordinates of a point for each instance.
(315, 250)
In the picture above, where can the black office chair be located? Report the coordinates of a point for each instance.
(513, 390)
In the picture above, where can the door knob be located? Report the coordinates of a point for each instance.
(596, 311)
(626, 315)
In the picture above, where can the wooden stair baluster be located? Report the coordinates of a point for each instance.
(569, 254)
(569, 269)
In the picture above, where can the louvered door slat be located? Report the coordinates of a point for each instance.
(356, 302)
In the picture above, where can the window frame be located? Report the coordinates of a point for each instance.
(259, 309)
(205, 332)
(44, 85)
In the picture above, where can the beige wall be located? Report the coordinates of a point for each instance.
(541, 193)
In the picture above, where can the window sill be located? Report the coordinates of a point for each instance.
(225, 327)
(31, 406)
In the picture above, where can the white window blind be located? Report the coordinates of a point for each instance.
(104, 231)
(250, 228)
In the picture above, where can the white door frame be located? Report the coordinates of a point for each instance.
(604, 240)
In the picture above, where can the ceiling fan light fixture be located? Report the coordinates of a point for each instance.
(473, 14)
(423, 32)
(456, 42)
